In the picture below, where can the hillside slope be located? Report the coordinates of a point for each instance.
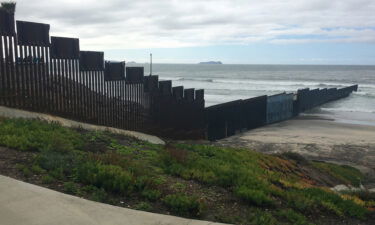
(229, 185)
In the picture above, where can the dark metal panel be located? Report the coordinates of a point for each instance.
(91, 61)
(255, 111)
(64, 48)
(279, 107)
(165, 87)
(6, 23)
(199, 95)
(114, 71)
(151, 83)
(178, 92)
(29, 33)
(189, 94)
(134, 75)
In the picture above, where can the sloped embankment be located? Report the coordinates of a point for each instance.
(228, 185)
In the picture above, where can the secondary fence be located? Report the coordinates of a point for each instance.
(230, 118)
(51, 75)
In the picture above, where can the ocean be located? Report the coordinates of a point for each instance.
(223, 83)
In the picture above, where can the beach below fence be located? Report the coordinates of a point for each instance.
(316, 138)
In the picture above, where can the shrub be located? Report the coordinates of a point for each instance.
(95, 194)
(263, 218)
(37, 169)
(70, 188)
(26, 172)
(65, 163)
(144, 206)
(111, 178)
(183, 205)
(256, 197)
(47, 179)
(151, 195)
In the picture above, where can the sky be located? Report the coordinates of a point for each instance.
(231, 31)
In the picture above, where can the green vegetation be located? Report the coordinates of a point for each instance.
(183, 205)
(346, 174)
(199, 181)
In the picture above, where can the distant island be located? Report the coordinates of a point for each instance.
(211, 62)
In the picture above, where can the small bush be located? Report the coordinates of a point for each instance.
(183, 205)
(263, 218)
(57, 173)
(256, 197)
(37, 169)
(144, 206)
(26, 172)
(111, 178)
(70, 188)
(47, 179)
(151, 195)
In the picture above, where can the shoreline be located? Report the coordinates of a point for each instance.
(315, 137)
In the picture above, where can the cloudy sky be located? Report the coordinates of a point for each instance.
(233, 31)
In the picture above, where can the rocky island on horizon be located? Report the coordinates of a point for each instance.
(212, 62)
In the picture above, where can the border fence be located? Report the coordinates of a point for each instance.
(230, 118)
(52, 75)
(48, 74)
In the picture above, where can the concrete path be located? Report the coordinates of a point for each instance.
(27, 204)
(17, 113)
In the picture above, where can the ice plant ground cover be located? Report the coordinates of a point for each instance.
(207, 182)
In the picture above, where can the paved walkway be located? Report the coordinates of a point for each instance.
(27, 204)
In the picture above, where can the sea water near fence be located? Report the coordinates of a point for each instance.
(51, 75)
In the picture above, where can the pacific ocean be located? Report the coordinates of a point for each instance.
(223, 83)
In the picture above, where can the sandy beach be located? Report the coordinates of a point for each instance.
(316, 138)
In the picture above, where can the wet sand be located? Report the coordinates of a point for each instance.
(316, 138)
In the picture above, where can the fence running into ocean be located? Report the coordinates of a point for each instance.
(51, 75)
(230, 118)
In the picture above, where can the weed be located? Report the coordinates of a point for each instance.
(37, 169)
(70, 187)
(263, 218)
(151, 195)
(47, 179)
(111, 178)
(183, 205)
(144, 206)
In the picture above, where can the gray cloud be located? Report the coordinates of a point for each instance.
(179, 23)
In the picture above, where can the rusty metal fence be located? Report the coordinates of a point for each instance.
(51, 75)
